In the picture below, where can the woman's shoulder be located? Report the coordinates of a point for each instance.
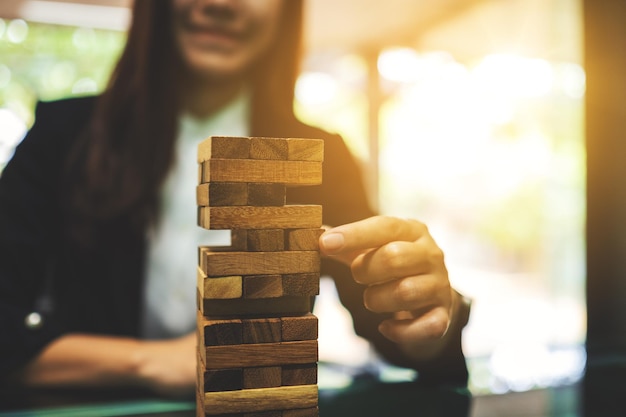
(306, 130)
(65, 109)
(296, 128)
(57, 125)
(60, 121)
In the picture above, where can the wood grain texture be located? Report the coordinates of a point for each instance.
(263, 286)
(265, 240)
(302, 239)
(302, 412)
(305, 149)
(200, 404)
(255, 307)
(218, 332)
(221, 288)
(269, 240)
(300, 374)
(265, 330)
(222, 194)
(251, 217)
(234, 147)
(262, 377)
(268, 148)
(268, 171)
(231, 147)
(299, 328)
(301, 284)
(200, 277)
(222, 379)
(221, 331)
(262, 194)
(218, 264)
(262, 354)
(272, 413)
(261, 399)
(239, 240)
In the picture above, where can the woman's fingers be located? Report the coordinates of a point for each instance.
(427, 327)
(397, 260)
(407, 294)
(352, 239)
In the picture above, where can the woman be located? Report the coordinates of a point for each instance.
(86, 221)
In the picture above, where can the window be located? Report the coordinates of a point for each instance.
(480, 135)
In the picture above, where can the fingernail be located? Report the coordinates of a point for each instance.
(332, 241)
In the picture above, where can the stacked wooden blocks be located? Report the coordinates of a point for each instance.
(257, 337)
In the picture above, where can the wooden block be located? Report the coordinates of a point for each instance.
(239, 240)
(230, 147)
(222, 194)
(255, 307)
(301, 284)
(200, 405)
(262, 354)
(199, 372)
(222, 379)
(261, 399)
(220, 264)
(265, 240)
(251, 217)
(273, 413)
(299, 327)
(269, 171)
(200, 277)
(217, 194)
(302, 412)
(220, 332)
(268, 148)
(226, 287)
(266, 330)
(202, 257)
(262, 377)
(305, 149)
(303, 239)
(301, 374)
(262, 194)
(249, 240)
(262, 286)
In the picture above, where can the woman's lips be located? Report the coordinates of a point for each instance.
(213, 36)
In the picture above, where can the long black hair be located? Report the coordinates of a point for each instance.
(117, 168)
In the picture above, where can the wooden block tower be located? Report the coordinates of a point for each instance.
(257, 337)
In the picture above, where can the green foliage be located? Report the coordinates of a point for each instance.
(47, 62)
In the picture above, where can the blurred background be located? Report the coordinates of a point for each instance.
(465, 114)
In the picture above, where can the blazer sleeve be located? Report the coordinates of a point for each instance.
(28, 219)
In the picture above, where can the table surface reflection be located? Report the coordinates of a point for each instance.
(364, 395)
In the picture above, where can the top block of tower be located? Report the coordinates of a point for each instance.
(226, 147)
(285, 149)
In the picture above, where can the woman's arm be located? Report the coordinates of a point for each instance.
(166, 367)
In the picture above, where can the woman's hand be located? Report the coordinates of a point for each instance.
(168, 367)
(404, 271)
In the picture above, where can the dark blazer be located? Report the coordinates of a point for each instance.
(99, 291)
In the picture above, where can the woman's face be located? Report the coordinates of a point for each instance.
(221, 38)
